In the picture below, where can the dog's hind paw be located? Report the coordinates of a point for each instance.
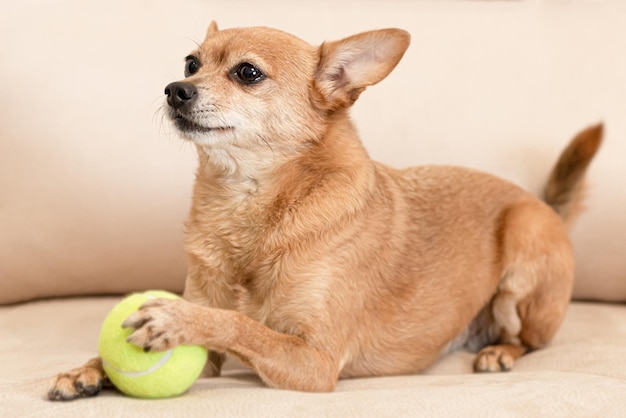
(498, 358)
(493, 361)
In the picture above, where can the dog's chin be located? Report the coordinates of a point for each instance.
(194, 131)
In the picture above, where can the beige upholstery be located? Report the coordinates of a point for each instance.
(582, 374)
(94, 188)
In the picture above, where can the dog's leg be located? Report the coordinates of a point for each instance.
(281, 360)
(536, 287)
(198, 294)
(214, 364)
(80, 382)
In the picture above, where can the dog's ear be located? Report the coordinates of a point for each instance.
(212, 30)
(348, 66)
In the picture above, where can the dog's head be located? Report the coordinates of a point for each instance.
(258, 87)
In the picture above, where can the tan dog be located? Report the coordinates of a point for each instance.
(310, 262)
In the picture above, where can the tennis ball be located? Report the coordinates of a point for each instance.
(146, 375)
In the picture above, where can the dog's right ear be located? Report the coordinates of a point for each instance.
(348, 66)
(212, 30)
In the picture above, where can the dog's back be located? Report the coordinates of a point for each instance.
(463, 252)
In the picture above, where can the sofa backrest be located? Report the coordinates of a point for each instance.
(94, 188)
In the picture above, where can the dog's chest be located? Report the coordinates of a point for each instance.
(226, 234)
(239, 275)
(244, 261)
(226, 221)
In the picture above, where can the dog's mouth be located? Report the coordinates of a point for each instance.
(183, 124)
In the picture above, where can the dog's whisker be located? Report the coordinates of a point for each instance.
(262, 140)
(194, 41)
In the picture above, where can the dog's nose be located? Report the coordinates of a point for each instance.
(180, 94)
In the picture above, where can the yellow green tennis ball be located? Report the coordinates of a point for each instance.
(140, 374)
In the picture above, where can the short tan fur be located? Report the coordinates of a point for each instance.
(311, 262)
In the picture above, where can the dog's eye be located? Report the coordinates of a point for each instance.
(192, 65)
(247, 73)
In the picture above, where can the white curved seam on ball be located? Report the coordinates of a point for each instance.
(152, 369)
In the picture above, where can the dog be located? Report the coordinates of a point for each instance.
(310, 262)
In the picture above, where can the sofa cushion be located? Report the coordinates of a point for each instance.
(581, 373)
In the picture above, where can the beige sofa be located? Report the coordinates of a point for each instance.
(94, 187)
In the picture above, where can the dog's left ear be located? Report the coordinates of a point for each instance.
(348, 66)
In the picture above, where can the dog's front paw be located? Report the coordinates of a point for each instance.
(158, 325)
(80, 382)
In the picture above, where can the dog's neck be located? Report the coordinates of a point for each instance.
(232, 168)
(275, 192)
(263, 166)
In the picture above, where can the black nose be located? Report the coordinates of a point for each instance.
(180, 94)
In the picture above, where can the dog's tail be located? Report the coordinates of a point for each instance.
(565, 190)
